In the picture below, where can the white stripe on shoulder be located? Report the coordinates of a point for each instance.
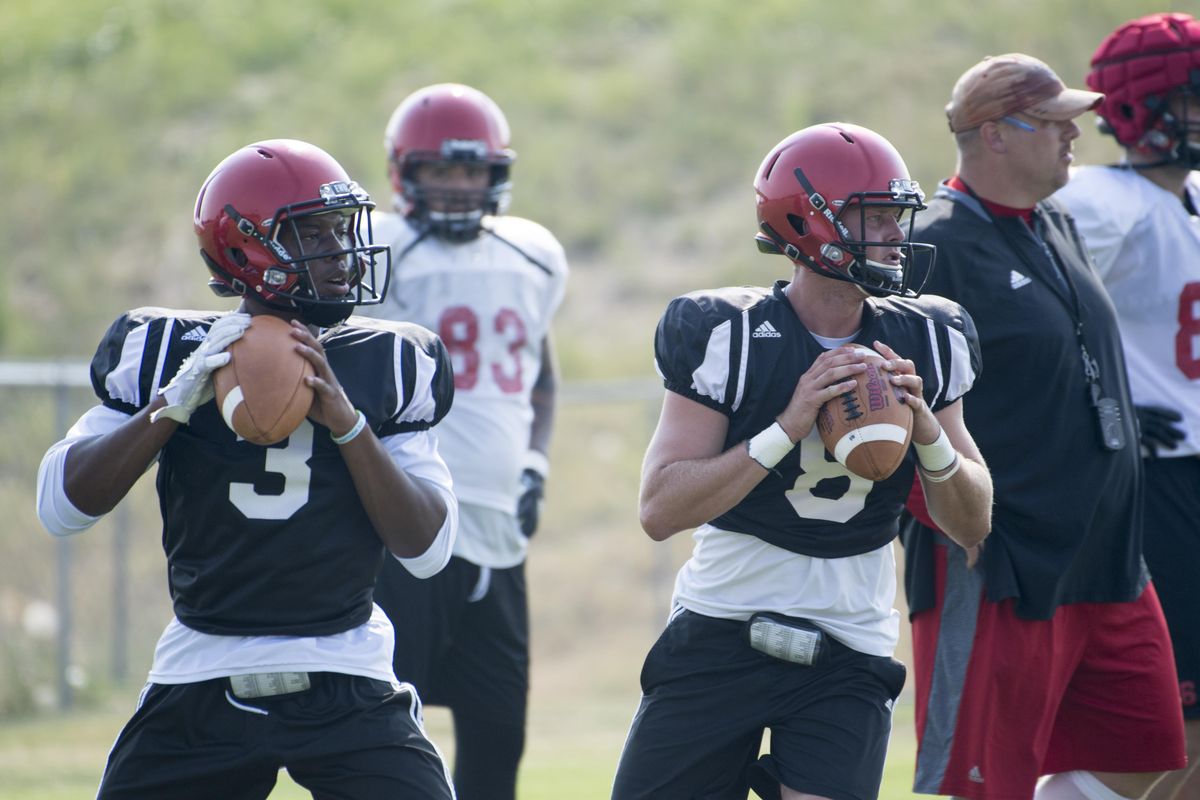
(962, 375)
(711, 378)
(159, 378)
(423, 405)
(741, 379)
(937, 355)
(122, 382)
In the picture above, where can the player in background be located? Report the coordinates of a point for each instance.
(789, 545)
(489, 284)
(276, 656)
(1047, 652)
(1140, 221)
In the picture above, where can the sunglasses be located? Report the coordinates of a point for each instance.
(1019, 123)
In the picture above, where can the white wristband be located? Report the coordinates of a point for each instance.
(536, 460)
(769, 446)
(346, 437)
(948, 475)
(938, 455)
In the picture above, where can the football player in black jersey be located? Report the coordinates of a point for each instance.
(782, 619)
(277, 656)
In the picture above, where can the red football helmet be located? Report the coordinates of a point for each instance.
(454, 123)
(1141, 67)
(249, 199)
(808, 184)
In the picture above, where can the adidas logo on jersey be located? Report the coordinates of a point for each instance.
(974, 775)
(1018, 280)
(766, 331)
(194, 335)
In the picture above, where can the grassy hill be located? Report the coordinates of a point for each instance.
(638, 127)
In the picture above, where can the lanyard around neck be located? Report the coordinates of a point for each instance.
(1091, 367)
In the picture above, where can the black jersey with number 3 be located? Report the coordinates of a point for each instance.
(230, 508)
(742, 350)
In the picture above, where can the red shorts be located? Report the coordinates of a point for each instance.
(1003, 700)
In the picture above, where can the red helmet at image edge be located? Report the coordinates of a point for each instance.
(1140, 67)
(811, 183)
(448, 122)
(246, 202)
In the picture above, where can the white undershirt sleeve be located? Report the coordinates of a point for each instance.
(417, 454)
(56, 511)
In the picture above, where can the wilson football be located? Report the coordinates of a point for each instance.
(867, 430)
(261, 392)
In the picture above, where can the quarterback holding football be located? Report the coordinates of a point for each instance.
(276, 656)
(782, 618)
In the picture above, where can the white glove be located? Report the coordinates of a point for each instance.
(192, 385)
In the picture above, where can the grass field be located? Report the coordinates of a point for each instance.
(569, 754)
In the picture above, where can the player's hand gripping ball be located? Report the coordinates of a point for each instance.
(868, 429)
(261, 392)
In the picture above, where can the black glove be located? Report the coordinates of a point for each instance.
(529, 507)
(1157, 428)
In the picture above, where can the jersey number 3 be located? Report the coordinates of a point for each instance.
(290, 461)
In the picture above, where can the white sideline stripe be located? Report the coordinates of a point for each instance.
(879, 432)
(232, 401)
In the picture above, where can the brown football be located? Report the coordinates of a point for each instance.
(261, 392)
(867, 430)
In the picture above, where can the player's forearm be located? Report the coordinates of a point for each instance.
(543, 422)
(99, 471)
(685, 494)
(544, 399)
(407, 522)
(406, 512)
(962, 505)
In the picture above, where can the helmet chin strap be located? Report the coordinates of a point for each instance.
(1189, 154)
(460, 225)
(324, 315)
(870, 274)
(1168, 135)
(455, 225)
(1185, 154)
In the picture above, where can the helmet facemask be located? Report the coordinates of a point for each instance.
(881, 278)
(1174, 136)
(455, 214)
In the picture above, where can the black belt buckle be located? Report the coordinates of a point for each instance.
(786, 638)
